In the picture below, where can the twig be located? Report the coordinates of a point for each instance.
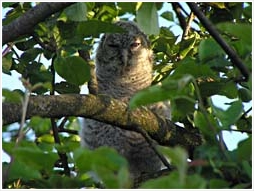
(20, 132)
(63, 130)
(177, 8)
(24, 110)
(61, 126)
(92, 83)
(216, 35)
(52, 68)
(242, 131)
(45, 46)
(246, 112)
(7, 49)
(74, 132)
(62, 156)
(222, 144)
(152, 144)
(188, 26)
(184, 11)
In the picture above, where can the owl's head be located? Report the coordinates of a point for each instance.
(123, 49)
(132, 38)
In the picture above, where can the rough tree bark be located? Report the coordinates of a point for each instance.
(24, 24)
(105, 109)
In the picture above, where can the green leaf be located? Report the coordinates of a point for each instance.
(190, 67)
(209, 49)
(149, 95)
(248, 11)
(245, 94)
(247, 168)
(40, 125)
(187, 45)
(73, 69)
(195, 181)
(7, 63)
(208, 89)
(168, 15)
(218, 184)
(106, 163)
(218, 64)
(69, 37)
(94, 28)
(170, 88)
(241, 186)
(8, 147)
(181, 107)
(35, 158)
(90, 5)
(77, 12)
(240, 30)
(171, 181)
(202, 123)
(126, 7)
(228, 89)
(147, 18)
(36, 72)
(178, 157)
(244, 124)
(12, 15)
(69, 143)
(65, 88)
(7, 4)
(244, 151)
(25, 45)
(220, 5)
(30, 54)
(46, 138)
(11, 96)
(65, 182)
(230, 116)
(20, 170)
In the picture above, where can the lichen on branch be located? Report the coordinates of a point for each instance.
(104, 109)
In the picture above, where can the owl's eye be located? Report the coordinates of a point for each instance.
(113, 45)
(135, 44)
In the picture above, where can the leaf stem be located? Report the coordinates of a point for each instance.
(221, 142)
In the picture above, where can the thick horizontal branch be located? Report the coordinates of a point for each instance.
(104, 109)
(24, 24)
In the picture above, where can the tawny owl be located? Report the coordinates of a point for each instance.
(123, 66)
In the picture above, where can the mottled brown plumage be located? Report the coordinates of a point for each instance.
(123, 66)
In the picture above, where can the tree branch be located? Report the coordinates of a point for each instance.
(216, 35)
(177, 8)
(188, 26)
(24, 24)
(104, 109)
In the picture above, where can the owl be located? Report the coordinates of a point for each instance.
(124, 65)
